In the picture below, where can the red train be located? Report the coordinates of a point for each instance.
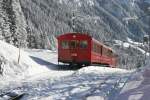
(82, 49)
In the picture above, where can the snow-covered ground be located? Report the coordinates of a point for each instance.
(29, 68)
(86, 82)
(39, 78)
(11, 70)
(138, 86)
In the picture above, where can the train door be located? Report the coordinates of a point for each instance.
(73, 46)
(63, 51)
(84, 51)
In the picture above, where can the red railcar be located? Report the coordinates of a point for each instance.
(77, 48)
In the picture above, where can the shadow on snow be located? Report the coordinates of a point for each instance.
(53, 66)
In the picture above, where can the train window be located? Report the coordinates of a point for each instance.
(109, 53)
(97, 48)
(94, 47)
(104, 51)
(73, 44)
(101, 50)
(83, 44)
(65, 44)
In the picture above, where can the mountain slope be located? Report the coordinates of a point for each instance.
(103, 19)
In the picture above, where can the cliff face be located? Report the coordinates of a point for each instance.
(12, 23)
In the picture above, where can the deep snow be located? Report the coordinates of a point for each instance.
(14, 71)
(81, 84)
(138, 86)
(15, 74)
(38, 76)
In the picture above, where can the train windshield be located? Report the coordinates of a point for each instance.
(73, 44)
(65, 44)
(83, 44)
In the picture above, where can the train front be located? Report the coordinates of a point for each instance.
(74, 48)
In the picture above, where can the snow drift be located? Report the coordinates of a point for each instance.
(9, 66)
(137, 87)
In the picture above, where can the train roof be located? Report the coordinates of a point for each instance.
(74, 33)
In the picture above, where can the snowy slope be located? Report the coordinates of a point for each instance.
(11, 70)
(137, 87)
(28, 68)
(103, 19)
(14, 75)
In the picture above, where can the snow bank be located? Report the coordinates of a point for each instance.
(11, 69)
(137, 88)
(101, 70)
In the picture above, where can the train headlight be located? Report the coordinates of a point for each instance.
(74, 54)
(74, 36)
